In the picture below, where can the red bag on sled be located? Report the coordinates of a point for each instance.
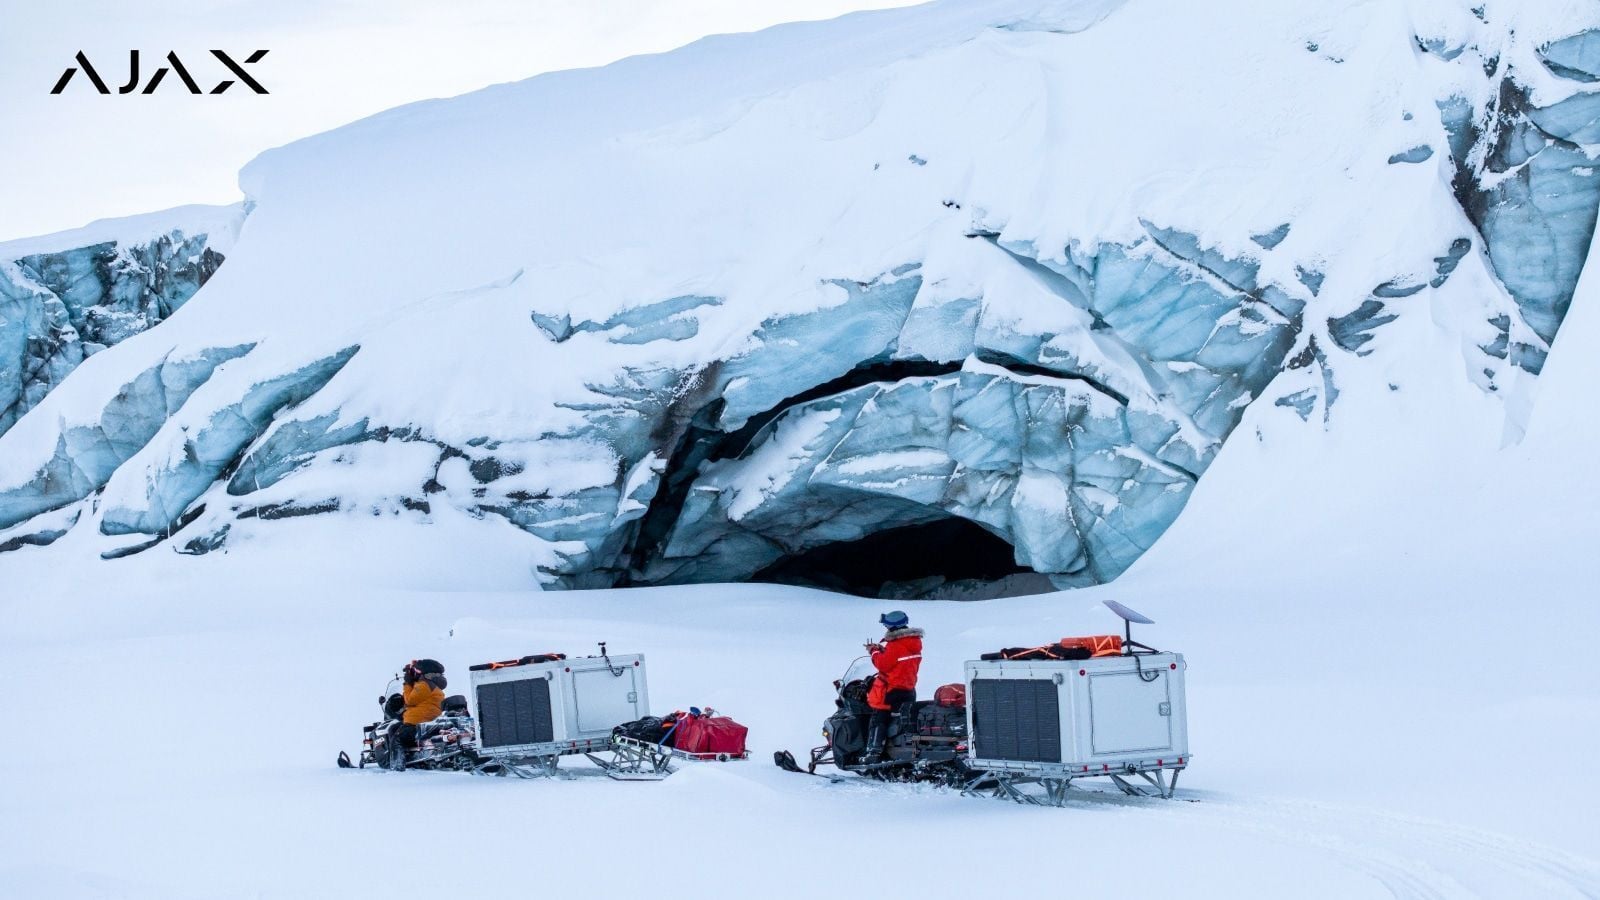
(709, 734)
(951, 695)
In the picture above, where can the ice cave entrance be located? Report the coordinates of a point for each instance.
(949, 558)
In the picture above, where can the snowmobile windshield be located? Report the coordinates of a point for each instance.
(859, 669)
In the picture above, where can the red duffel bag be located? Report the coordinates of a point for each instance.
(709, 734)
(951, 695)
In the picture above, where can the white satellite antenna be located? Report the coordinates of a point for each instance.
(1129, 617)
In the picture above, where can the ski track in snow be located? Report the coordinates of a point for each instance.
(1412, 858)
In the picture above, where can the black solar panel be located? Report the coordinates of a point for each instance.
(1016, 719)
(514, 712)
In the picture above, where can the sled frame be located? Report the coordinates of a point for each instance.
(636, 760)
(1058, 788)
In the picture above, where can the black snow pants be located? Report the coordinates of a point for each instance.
(878, 726)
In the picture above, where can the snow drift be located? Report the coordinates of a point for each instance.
(959, 300)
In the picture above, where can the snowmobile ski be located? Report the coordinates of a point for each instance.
(784, 760)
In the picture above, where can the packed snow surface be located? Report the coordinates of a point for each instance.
(1030, 263)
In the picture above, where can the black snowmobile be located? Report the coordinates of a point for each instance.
(444, 744)
(926, 741)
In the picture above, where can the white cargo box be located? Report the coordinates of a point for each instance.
(1114, 715)
(554, 708)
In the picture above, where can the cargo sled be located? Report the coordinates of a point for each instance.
(536, 710)
(1038, 725)
(648, 749)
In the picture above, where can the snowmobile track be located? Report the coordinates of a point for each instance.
(1410, 857)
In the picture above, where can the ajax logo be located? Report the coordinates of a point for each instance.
(174, 65)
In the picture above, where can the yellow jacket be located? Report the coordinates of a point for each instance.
(424, 702)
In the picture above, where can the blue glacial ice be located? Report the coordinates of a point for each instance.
(58, 308)
(86, 456)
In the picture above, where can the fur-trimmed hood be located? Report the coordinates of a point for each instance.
(896, 633)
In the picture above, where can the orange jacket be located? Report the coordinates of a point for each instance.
(897, 664)
(424, 702)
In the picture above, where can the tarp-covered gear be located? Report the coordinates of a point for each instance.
(710, 734)
(1045, 652)
(1097, 644)
(934, 720)
(1067, 648)
(897, 660)
(530, 659)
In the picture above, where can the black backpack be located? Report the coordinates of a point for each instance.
(649, 729)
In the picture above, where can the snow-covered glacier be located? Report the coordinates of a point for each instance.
(959, 300)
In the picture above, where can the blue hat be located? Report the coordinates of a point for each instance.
(893, 620)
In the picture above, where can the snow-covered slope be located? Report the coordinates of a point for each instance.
(68, 296)
(957, 300)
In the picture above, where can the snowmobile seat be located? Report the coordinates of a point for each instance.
(454, 705)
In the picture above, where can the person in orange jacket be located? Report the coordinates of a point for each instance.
(898, 658)
(423, 693)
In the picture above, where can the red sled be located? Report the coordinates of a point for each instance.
(710, 736)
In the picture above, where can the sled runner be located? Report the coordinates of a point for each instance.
(634, 760)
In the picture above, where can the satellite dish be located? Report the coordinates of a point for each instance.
(1127, 614)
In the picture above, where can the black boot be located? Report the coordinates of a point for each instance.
(877, 732)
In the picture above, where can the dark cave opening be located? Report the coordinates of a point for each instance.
(909, 561)
(947, 557)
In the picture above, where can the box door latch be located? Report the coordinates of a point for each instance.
(633, 697)
(1165, 708)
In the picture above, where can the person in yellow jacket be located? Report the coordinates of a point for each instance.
(423, 693)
